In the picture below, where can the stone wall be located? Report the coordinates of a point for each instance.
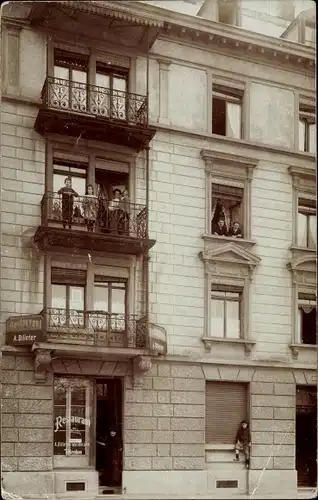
(26, 426)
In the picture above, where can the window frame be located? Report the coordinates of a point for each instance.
(304, 187)
(231, 184)
(229, 94)
(109, 279)
(299, 327)
(71, 461)
(307, 210)
(307, 117)
(215, 289)
(233, 171)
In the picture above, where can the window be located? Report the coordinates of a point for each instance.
(71, 78)
(307, 318)
(226, 406)
(307, 129)
(113, 101)
(110, 296)
(71, 421)
(226, 312)
(227, 210)
(68, 297)
(227, 111)
(76, 171)
(306, 223)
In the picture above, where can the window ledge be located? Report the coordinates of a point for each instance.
(248, 344)
(296, 347)
(240, 241)
(302, 249)
(219, 447)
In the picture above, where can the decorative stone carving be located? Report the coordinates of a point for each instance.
(42, 364)
(141, 365)
(231, 259)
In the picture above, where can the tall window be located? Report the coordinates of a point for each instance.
(227, 111)
(72, 420)
(113, 102)
(227, 206)
(226, 406)
(306, 223)
(226, 312)
(307, 318)
(76, 171)
(110, 296)
(71, 78)
(307, 129)
(68, 297)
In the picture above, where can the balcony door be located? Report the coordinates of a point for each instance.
(67, 299)
(111, 95)
(69, 90)
(110, 308)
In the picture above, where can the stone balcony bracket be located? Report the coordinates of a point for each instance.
(42, 363)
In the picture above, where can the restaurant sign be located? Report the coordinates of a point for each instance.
(24, 330)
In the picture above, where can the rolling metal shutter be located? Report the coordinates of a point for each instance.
(62, 276)
(225, 408)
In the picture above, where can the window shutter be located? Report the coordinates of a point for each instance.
(226, 407)
(60, 276)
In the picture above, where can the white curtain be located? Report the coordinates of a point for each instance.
(233, 120)
(233, 320)
(217, 318)
(301, 135)
(302, 230)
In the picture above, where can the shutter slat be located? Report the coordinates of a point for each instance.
(68, 276)
(226, 407)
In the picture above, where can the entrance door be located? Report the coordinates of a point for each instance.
(306, 436)
(109, 434)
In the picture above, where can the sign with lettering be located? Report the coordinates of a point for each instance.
(24, 330)
(60, 422)
(158, 339)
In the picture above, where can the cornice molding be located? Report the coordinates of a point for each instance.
(228, 158)
(308, 172)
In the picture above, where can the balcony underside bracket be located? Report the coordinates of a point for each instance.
(42, 363)
(141, 366)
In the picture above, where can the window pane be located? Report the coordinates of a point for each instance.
(302, 133)
(59, 296)
(217, 318)
(312, 138)
(61, 72)
(118, 301)
(233, 120)
(101, 298)
(312, 219)
(79, 76)
(77, 297)
(78, 183)
(119, 84)
(102, 80)
(302, 230)
(232, 319)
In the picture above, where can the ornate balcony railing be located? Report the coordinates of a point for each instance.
(102, 102)
(120, 218)
(97, 328)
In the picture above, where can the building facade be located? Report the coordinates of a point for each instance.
(158, 239)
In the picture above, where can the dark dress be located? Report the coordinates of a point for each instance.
(237, 233)
(68, 194)
(220, 231)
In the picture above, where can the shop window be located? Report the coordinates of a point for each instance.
(307, 319)
(307, 129)
(227, 111)
(227, 210)
(226, 406)
(72, 420)
(226, 307)
(306, 223)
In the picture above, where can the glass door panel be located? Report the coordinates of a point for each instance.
(119, 103)
(58, 94)
(79, 90)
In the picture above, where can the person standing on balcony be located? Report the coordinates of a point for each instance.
(90, 206)
(115, 211)
(68, 195)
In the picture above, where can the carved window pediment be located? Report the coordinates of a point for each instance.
(230, 254)
(304, 263)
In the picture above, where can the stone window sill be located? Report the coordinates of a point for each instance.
(248, 344)
(296, 347)
(302, 249)
(219, 447)
(240, 241)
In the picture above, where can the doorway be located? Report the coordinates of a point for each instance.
(109, 443)
(306, 436)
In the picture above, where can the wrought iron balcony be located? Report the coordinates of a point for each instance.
(92, 224)
(96, 328)
(94, 113)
